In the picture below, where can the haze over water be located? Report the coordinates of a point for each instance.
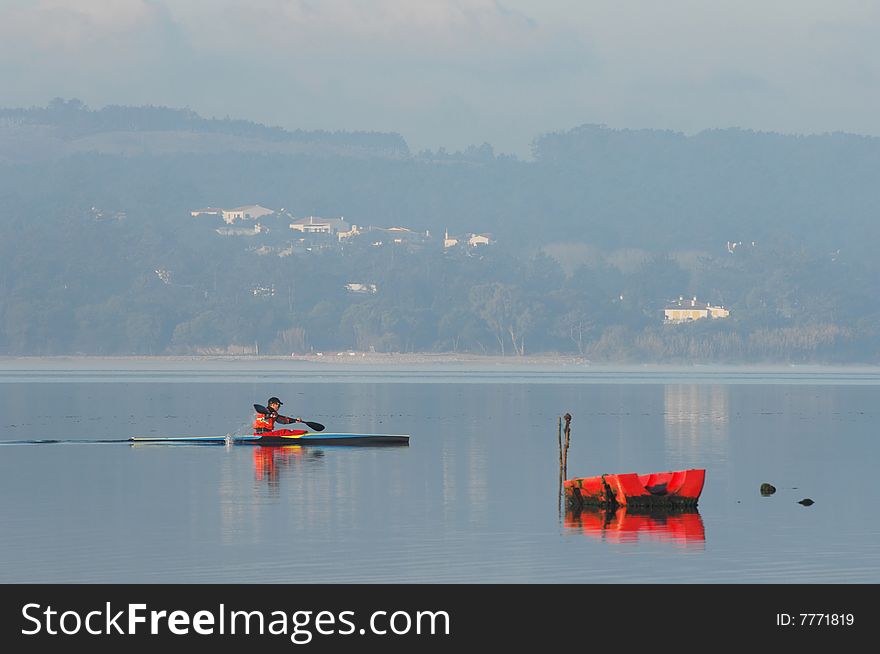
(473, 498)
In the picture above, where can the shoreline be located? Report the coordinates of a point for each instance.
(420, 359)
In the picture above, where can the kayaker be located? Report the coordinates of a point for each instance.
(266, 421)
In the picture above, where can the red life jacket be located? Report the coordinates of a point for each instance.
(263, 422)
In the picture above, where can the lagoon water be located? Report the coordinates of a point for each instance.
(473, 498)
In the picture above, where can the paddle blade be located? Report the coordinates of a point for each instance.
(259, 408)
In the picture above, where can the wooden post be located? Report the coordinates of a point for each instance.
(567, 417)
(559, 441)
(561, 472)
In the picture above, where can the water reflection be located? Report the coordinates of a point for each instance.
(696, 418)
(682, 528)
(269, 462)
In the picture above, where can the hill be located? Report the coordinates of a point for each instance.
(591, 237)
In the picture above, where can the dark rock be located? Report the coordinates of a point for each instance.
(767, 489)
(806, 501)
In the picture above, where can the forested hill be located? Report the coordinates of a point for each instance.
(649, 187)
(64, 127)
(99, 252)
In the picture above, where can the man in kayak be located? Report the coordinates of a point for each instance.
(266, 421)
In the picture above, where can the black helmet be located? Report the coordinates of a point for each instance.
(274, 399)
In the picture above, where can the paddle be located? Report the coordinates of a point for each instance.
(316, 426)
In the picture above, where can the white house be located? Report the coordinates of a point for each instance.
(354, 231)
(476, 240)
(207, 211)
(248, 212)
(315, 225)
(685, 310)
(361, 288)
(263, 291)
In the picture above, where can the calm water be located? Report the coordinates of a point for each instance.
(473, 498)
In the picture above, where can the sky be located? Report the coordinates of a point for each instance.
(454, 73)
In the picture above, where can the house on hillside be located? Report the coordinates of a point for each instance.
(366, 289)
(315, 225)
(263, 291)
(683, 310)
(342, 234)
(479, 240)
(470, 240)
(207, 211)
(248, 212)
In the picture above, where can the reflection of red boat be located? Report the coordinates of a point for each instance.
(680, 488)
(625, 525)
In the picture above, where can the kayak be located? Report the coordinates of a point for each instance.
(282, 437)
(679, 488)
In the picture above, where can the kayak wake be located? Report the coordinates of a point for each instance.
(61, 441)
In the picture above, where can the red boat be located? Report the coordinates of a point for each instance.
(680, 488)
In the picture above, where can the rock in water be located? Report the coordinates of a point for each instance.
(767, 489)
(806, 501)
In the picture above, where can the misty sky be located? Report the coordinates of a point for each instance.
(452, 73)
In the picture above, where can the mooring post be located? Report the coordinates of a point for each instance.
(567, 417)
(561, 473)
(559, 441)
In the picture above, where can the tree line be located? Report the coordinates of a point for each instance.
(122, 287)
